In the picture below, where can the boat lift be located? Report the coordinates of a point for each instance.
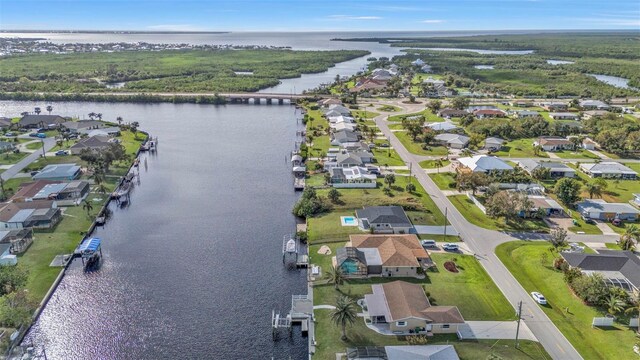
(90, 250)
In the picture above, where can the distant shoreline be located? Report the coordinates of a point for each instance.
(109, 32)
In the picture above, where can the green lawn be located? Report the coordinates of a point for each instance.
(364, 114)
(34, 145)
(326, 228)
(428, 116)
(444, 180)
(471, 290)
(389, 108)
(387, 157)
(10, 157)
(523, 261)
(431, 164)
(474, 215)
(579, 154)
(522, 148)
(416, 148)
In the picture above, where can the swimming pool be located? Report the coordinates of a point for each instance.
(348, 221)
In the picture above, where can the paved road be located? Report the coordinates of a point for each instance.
(49, 143)
(483, 242)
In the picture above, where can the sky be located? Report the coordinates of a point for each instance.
(318, 15)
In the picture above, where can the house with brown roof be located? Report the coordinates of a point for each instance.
(42, 214)
(382, 255)
(399, 307)
(451, 113)
(489, 113)
(550, 143)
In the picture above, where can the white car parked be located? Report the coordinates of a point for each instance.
(450, 247)
(539, 298)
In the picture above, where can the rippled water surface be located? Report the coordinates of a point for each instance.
(192, 268)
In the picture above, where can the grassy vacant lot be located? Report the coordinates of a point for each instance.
(34, 145)
(431, 164)
(471, 290)
(416, 147)
(523, 261)
(364, 114)
(165, 71)
(444, 180)
(522, 148)
(387, 157)
(428, 116)
(9, 157)
(475, 216)
(578, 154)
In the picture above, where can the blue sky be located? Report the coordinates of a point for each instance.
(318, 15)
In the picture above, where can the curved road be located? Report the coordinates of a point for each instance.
(483, 243)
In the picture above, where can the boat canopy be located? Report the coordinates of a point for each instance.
(89, 247)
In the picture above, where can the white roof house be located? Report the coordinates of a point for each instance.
(418, 62)
(453, 140)
(341, 118)
(608, 169)
(484, 163)
(593, 104)
(442, 126)
(343, 126)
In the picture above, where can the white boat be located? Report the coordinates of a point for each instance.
(291, 246)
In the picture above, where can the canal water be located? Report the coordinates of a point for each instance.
(193, 267)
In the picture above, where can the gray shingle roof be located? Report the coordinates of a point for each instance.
(625, 262)
(393, 215)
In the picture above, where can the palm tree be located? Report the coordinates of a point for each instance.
(335, 275)
(438, 163)
(634, 308)
(86, 205)
(37, 110)
(536, 150)
(593, 189)
(466, 153)
(99, 116)
(630, 237)
(614, 304)
(92, 115)
(119, 120)
(49, 109)
(24, 113)
(344, 314)
(101, 189)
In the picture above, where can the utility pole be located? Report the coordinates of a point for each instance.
(44, 155)
(518, 326)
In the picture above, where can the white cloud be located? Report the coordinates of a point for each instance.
(174, 27)
(352, 17)
(432, 21)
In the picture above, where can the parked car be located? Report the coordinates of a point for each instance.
(384, 145)
(42, 130)
(451, 247)
(428, 243)
(62, 153)
(33, 173)
(616, 222)
(539, 298)
(10, 134)
(38, 135)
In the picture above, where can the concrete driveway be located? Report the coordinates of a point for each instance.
(495, 330)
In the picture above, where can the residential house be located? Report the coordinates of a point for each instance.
(489, 113)
(343, 126)
(417, 62)
(618, 268)
(443, 126)
(347, 159)
(453, 141)
(6, 146)
(384, 219)
(75, 126)
(70, 193)
(341, 119)
(452, 113)
(589, 144)
(383, 255)
(41, 121)
(368, 85)
(329, 101)
(545, 204)
(482, 163)
(37, 214)
(344, 136)
(601, 210)
(493, 143)
(523, 114)
(593, 105)
(564, 116)
(18, 240)
(59, 172)
(521, 103)
(403, 352)
(552, 143)
(338, 108)
(104, 132)
(587, 115)
(609, 170)
(73, 193)
(352, 177)
(405, 309)
(5, 122)
(556, 169)
(91, 143)
(426, 69)
(554, 106)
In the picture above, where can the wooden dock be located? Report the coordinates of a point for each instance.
(298, 184)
